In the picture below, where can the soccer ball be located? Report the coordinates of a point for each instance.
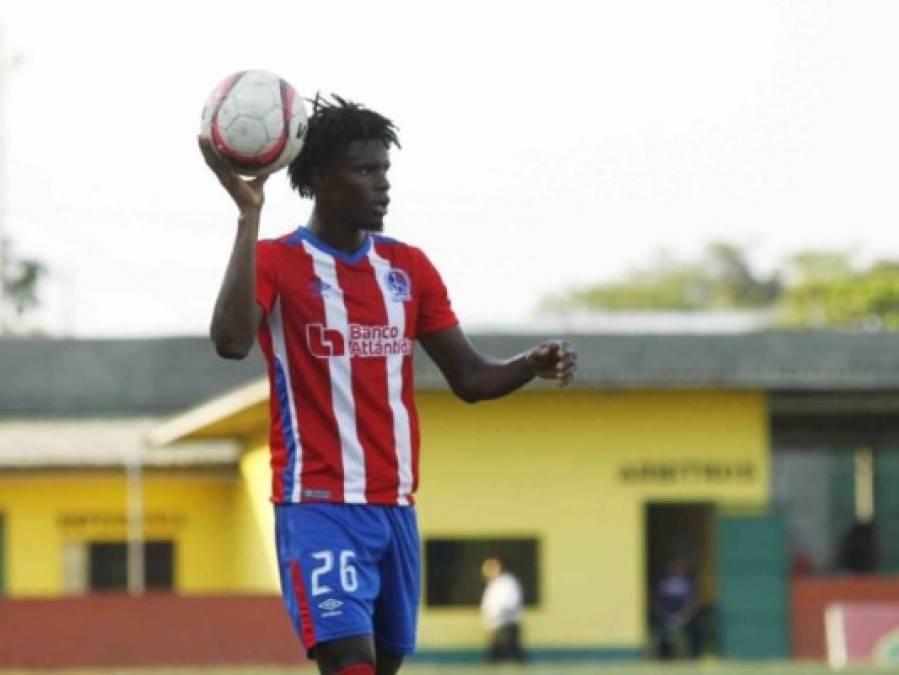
(256, 120)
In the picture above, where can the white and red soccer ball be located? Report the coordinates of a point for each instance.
(256, 120)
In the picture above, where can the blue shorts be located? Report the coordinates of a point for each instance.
(350, 569)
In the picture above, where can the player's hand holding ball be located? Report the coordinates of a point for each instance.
(553, 360)
(253, 124)
(247, 194)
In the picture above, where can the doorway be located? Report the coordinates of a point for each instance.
(685, 532)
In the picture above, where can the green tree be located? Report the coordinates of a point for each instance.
(811, 289)
(20, 286)
(828, 291)
(721, 279)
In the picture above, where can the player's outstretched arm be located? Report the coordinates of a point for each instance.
(237, 316)
(474, 377)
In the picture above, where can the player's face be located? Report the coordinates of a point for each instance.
(357, 187)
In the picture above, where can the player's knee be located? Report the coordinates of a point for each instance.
(357, 669)
(347, 656)
(388, 663)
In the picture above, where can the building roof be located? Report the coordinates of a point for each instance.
(801, 361)
(52, 378)
(102, 444)
(100, 403)
(114, 378)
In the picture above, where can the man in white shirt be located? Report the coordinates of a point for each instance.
(501, 607)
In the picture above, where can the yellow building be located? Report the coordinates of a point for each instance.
(571, 472)
(664, 448)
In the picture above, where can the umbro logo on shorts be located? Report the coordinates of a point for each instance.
(331, 606)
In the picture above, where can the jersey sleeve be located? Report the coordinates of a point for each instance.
(266, 278)
(434, 309)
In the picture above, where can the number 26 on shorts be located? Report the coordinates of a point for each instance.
(348, 579)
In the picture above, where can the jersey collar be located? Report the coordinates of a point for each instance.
(304, 234)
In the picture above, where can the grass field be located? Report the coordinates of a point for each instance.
(711, 668)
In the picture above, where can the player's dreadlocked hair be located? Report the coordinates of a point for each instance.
(333, 125)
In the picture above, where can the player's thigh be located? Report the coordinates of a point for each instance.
(396, 608)
(335, 655)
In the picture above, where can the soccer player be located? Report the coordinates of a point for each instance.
(336, 307)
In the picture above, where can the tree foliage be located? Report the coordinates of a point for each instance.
(721, 279)
(21, 284)
(828, 291)
(811, 289)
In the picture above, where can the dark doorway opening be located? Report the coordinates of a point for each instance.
(680, 578)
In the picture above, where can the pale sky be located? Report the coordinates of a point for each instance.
(545, 145)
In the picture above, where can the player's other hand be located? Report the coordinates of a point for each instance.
(247, 194)
(553, 360)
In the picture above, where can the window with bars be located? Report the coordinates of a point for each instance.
(107, 565)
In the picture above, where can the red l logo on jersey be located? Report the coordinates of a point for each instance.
(324, 342)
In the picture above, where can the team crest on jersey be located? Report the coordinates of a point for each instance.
(399, 284)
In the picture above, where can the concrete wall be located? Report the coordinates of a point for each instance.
(107, 631)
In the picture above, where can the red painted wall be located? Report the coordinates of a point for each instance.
(158, 629)
(811, 596)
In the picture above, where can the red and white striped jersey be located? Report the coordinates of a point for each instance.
(337, 337)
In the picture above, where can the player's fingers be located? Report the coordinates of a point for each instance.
(213, 160)
(230, 180)
(562, 355)
(557, 349)
(205, 150)
(566, 366)
(216, 162)
(540, 354)
(208, 149)
(566, 379)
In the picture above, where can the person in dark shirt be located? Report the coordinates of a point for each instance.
(858, 550)
(675, 609)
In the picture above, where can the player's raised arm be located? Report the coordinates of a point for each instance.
(237, 316)
(474, 377)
